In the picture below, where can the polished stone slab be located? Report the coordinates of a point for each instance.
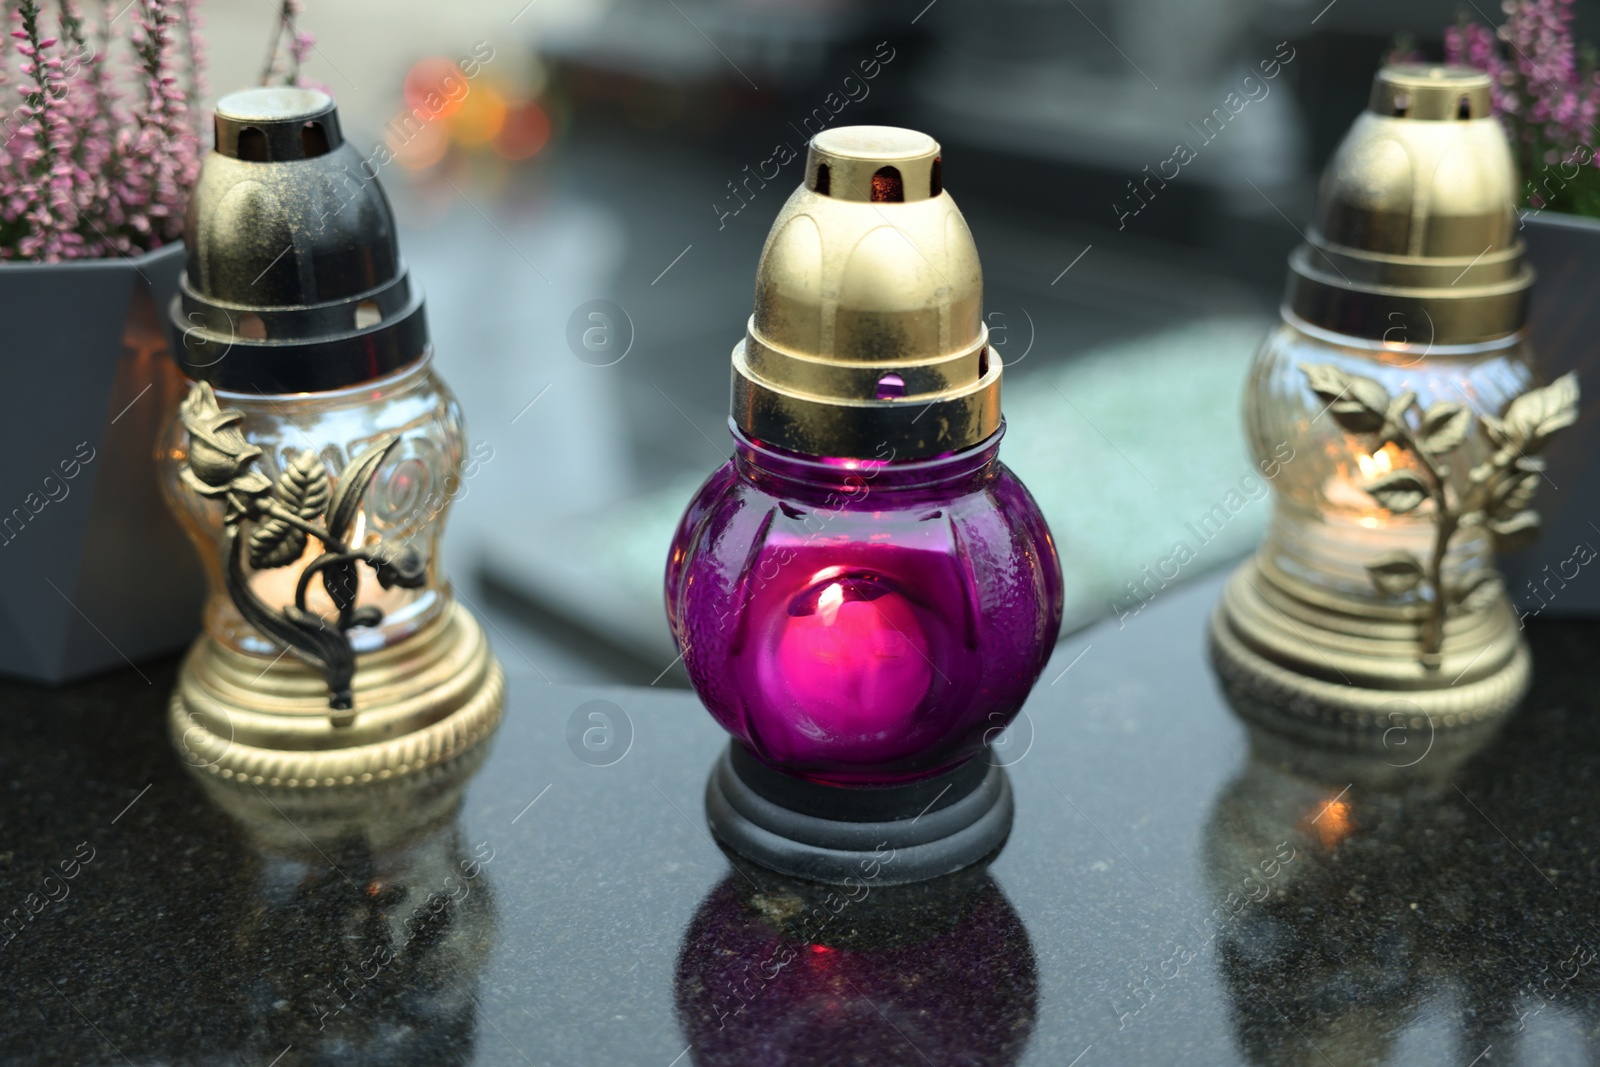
(1177, 888)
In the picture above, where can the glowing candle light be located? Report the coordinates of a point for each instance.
(852, 660)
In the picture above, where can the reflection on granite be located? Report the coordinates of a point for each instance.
(373, 918)
(372, 959)
(353, 933)
(1178, 887)
(1414, 912)
(774, 970)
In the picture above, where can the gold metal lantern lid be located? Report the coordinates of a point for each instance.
(1415, 238)
(868, 338)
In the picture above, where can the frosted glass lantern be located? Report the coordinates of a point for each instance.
(1397, 404)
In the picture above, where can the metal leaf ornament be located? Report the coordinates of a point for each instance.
(1358, 403)
(284, 519)
(219, 456)
(1395, 572)
(303, 489)
(1501, 488)
(1399, 492)
(1535, 415)
(1444, 426)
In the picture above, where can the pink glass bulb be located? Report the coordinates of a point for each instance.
(851, 657)
(863, 621)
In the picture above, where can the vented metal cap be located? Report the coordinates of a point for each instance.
(294, 282)
(868, 338)
(1415, 237)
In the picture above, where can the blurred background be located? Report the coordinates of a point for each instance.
(584, 187)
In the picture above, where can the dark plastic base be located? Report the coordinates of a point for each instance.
(879, 835)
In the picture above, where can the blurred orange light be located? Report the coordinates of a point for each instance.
(1333, 824)
(435, 88)
(418, 150)
(524, 133)
(481, 117)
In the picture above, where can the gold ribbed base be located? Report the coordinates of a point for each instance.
(1295, 657)
(419, 705)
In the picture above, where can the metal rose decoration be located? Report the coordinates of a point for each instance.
(1500, 489)
(283, 517)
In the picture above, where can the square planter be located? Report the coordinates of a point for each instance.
(1559, 574)
(94, 571)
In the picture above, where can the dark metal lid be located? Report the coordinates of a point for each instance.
(295, 281)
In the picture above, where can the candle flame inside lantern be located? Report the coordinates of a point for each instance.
(276, 587)
(1377, 464)
(829, 603)
(851, 658)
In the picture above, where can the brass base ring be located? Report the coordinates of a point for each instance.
(1322, 711)
(419, 705)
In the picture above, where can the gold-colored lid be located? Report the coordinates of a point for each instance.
(1415, 238)
(868, 339)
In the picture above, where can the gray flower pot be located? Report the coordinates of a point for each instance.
(94, 571)
(1559, 574)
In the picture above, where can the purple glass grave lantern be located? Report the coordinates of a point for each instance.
(864, 595)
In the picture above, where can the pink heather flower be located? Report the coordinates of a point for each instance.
(98, 151)
(1549, 101)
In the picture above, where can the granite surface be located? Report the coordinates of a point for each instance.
(1178, 887)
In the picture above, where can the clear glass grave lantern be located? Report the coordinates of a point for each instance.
(313, 463)
(1395, 408)
(864, 594)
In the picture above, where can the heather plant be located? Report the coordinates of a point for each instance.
(290, 46)
(101, 142)
(1545, 88)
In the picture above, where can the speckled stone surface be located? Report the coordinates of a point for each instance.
(1177, 888)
